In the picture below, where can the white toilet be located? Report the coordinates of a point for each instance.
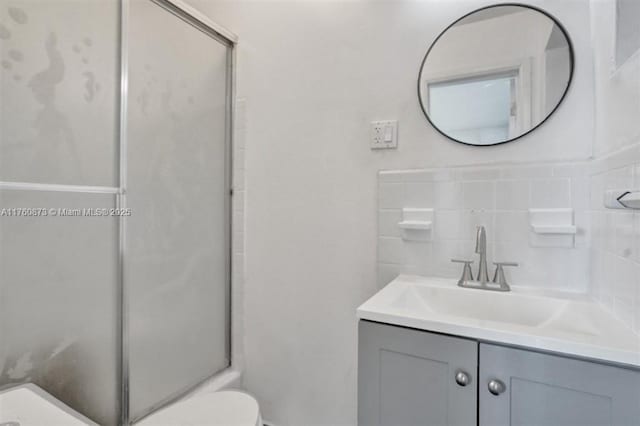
(224, 408)
(29, 405)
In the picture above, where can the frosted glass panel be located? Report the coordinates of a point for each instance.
(59, 74)
(176, 273)
(58, 301)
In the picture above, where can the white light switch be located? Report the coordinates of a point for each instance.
(384, 134)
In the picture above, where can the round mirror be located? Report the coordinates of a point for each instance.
(495, 74)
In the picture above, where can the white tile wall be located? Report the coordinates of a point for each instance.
(604, 262)
(499, 199)
(615, 246)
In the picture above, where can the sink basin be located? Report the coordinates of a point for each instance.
(480, 304)
(547, 320)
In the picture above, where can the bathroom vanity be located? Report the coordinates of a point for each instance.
(432, 353)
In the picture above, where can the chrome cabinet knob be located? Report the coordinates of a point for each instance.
(496, 387)
(462, 378)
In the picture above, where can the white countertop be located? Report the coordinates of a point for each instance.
(566, 323)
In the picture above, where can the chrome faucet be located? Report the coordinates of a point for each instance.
(481, 249)
(499, 282)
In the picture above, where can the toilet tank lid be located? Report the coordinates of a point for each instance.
(29, 405)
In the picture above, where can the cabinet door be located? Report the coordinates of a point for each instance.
(541, 389)
(408, 377)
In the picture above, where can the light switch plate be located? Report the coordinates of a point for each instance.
(384, 134)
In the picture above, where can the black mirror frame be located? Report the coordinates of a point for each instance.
(566, 90)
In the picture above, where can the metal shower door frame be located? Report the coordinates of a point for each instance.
(201, 22)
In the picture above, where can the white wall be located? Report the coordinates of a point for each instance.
(314, 74)
(617, 88)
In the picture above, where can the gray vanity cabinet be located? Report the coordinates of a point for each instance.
(541, 389)
(408, 377)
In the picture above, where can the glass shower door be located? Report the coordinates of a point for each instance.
(176, 270)
(59, 287)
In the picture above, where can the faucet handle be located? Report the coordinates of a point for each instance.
(467, 275)
(506, 263)
(498, 277)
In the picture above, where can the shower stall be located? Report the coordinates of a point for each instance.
(115, 186)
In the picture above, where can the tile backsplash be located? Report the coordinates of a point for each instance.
(615, 245)
(497, 197)
(603, 261)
